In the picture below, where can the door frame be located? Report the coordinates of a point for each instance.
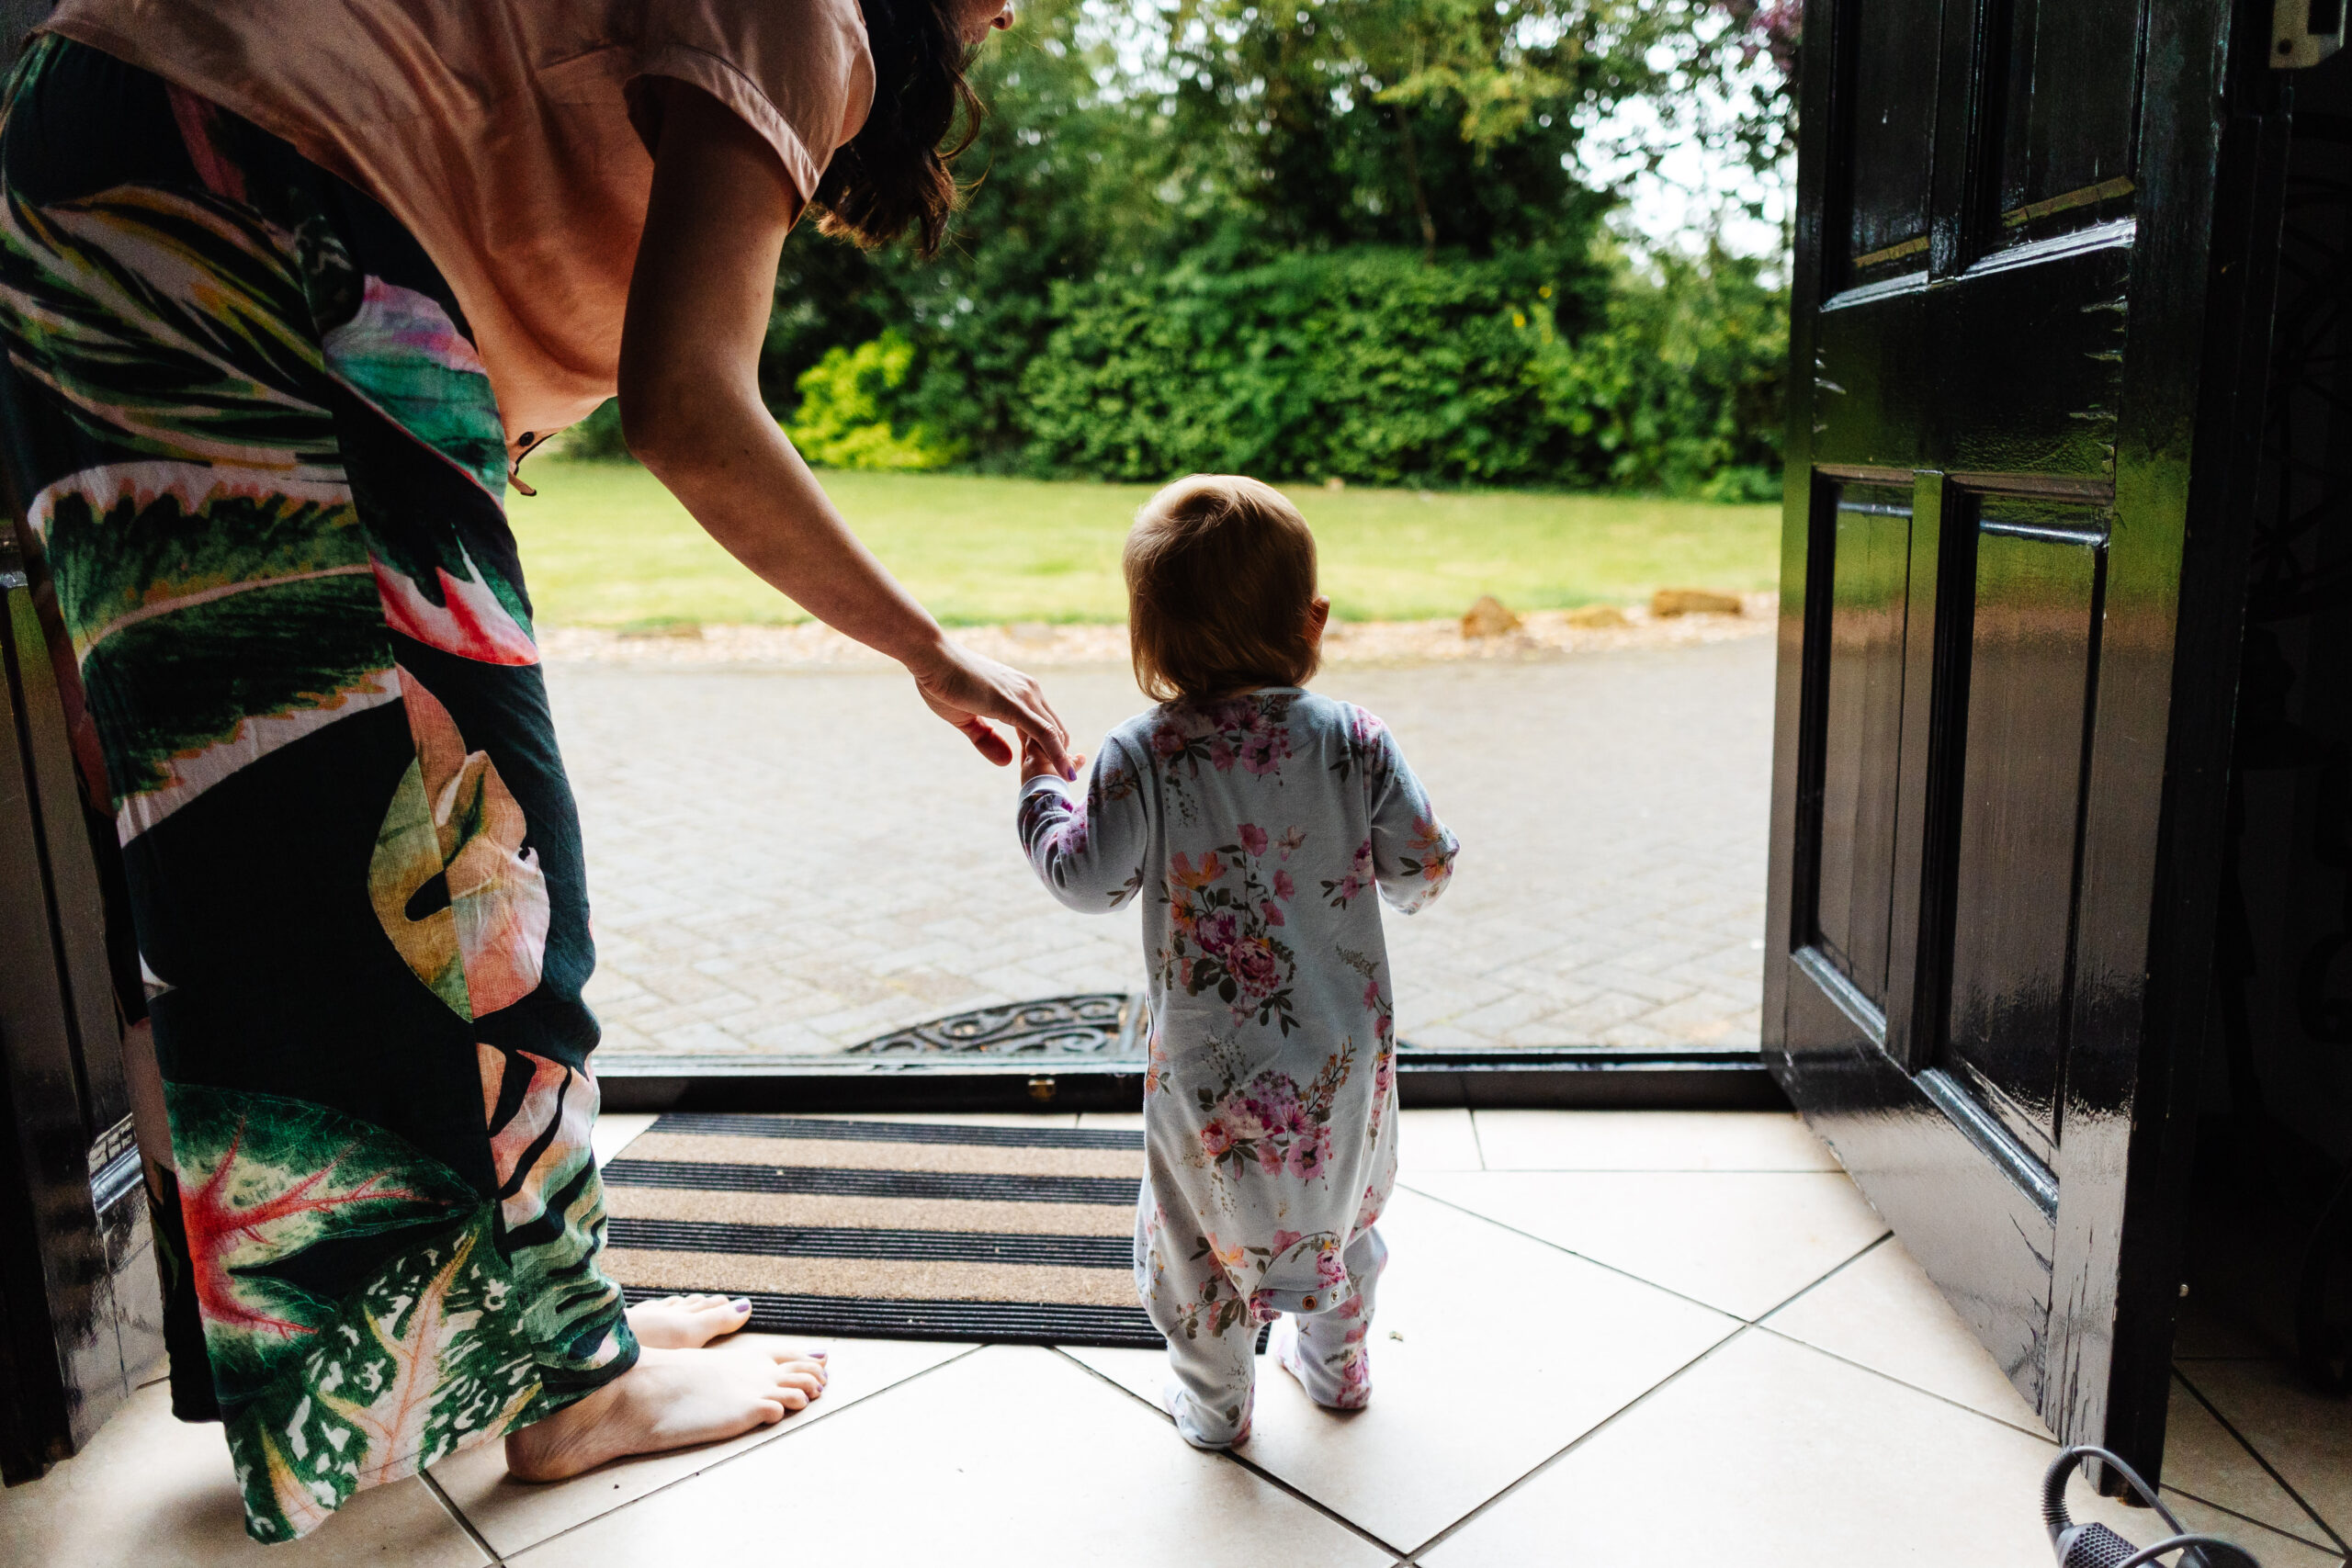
(1577, 1078)
(2197, 332)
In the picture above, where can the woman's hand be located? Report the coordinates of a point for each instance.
(698, 307)
(1034, 764)
(968, 689)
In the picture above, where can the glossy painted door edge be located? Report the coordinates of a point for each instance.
(2212, 158)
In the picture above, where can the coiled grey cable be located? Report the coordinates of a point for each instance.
(2096, 1546)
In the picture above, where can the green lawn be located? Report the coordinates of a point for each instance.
(604, 545)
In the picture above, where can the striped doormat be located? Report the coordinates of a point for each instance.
(898, 1230)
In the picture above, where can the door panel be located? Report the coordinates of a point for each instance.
(1993, 795)
(1890, 125)
(2029, 357)
(2067, 148)
(1978, 1233)
(1868, 563)
(1873, 375)
(2033, 649)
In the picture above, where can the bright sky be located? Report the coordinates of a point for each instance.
(1691, 187)
(1678, 185)
(1679, 182)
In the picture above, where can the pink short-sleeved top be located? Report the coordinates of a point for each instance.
(505, 134)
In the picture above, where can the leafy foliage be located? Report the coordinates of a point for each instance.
(1368, 365)
(1337, 237)
(842, 423)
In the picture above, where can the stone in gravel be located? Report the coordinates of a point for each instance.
(1596, 617)
(1487, 617)
(1693, 601)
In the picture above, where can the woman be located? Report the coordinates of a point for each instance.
(286, 288)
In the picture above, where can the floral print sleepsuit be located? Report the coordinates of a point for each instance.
(1254, 831)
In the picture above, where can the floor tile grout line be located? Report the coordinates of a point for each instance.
(2040, 1435)
(2259, 1458)
(746, 1453)
(2240, 1514)
(1244, 1462)
(1637, 1278)
(1712, 1350)
(451, 1505)
(1571, 1252)
(1477, 1138)
(1579, 1441)
(1744, 1325)
(1812, 1285)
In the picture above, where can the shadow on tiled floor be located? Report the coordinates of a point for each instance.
(1606, 1338)
(2248, 1438)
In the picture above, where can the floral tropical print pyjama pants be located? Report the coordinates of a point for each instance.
(1211, 1387)
(262, 474)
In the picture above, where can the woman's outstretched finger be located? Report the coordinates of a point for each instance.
(1052, 745)
(987, 741)
(1038, 721)
(1036, 696)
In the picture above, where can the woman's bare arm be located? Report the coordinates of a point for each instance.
(690, 408)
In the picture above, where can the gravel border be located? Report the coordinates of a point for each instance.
(1036, 644)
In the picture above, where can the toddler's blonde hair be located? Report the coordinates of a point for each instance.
(1220, 587)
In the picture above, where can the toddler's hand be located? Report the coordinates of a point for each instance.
(1033, 763)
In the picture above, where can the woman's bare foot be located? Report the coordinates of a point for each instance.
(687, 1323)
(670, 1399)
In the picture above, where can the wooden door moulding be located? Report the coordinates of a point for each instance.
(2118, 233)
(1997, 1143)
(1860, 294)
(2088, 195)
(1861, 474)
(1860, 1010)
(1915, 247)
(2089, 538)
(2036, 487)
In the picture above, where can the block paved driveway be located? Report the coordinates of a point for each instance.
(789, 861)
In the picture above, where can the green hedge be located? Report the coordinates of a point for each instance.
(1368, 365)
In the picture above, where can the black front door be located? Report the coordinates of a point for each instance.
(2030, 261)
(81, 1311)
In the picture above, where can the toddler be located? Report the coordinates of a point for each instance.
(1252, 820)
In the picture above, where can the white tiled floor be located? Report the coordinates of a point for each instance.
(1607, 1338)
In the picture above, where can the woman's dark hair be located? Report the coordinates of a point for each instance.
(893, 173)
